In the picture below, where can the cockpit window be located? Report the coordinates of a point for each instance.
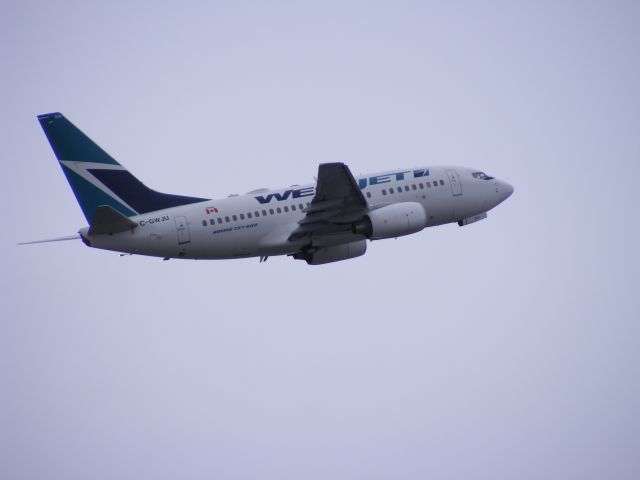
(481, 175)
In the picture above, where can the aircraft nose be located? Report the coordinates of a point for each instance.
(504, 190)
(507, 189)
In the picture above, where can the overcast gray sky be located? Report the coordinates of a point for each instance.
(505, 349)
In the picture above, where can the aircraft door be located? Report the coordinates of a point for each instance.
(182, 227)
(454, 181)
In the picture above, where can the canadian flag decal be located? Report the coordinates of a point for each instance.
(211, 210)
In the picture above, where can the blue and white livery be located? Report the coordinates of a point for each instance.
(322, 223)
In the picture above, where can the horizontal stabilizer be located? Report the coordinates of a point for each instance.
(107, 220)
(58, 239)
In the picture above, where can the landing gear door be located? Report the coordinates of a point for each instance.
(182, 227)
(454, 181)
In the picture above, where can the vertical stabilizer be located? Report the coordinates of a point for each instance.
(96, 178)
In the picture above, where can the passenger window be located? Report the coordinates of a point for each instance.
(293, 207)
(301, 206)
(406, 188)
(279, 210)
(242, 216)
(226, 219)
(441, 182)
(384, 192)
(428, 184)
(249, 215)
(286, 209)
(235, 218)
(391, 190)
(204, 223)
(271, 211)
(368, 194)
(264, 213)
(413, 186)
(256, 213)
(212, 221)
(219, 220)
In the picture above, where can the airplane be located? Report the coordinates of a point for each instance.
(320, 223)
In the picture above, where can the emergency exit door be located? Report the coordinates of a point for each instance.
(454, 181)
(182, 227)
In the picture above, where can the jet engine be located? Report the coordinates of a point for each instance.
(392, 221)
(333, 254)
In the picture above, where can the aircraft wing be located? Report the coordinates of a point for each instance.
(338, 203)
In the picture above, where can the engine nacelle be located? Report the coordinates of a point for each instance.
(392, 221)
(333, 254)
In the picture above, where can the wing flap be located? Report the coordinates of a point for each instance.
(338, 202)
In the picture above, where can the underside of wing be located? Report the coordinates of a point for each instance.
(337, 204)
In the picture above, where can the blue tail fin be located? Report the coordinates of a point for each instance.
(96, 178)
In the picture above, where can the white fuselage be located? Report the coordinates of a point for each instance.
(259, 223)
